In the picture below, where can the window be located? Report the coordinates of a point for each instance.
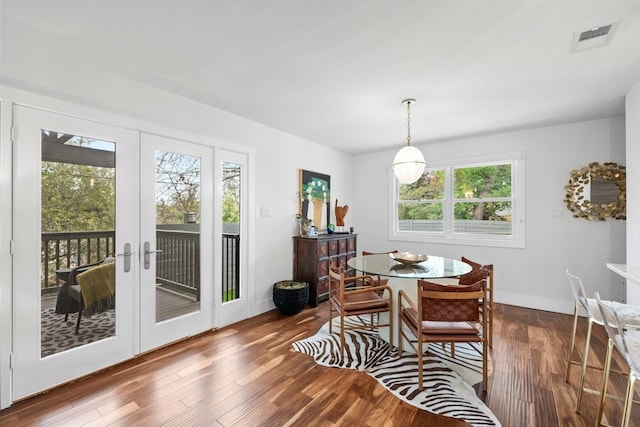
(473, 202)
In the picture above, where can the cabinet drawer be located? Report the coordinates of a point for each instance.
(342, 246)
(323, 267)
(342, 262)
(351, 244)
(323, 249)
(322, 289)
(333, 247)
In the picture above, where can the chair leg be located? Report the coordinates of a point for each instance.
(341, 334)
(585, 359)
(573, 342)
(390, 329)
(400, 335)
(485, 365)
(78, 322)
(628, 402)
(66, 315)
(490, 324)
(605, 381)
(420, 379)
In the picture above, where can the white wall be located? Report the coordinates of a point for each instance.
(535, 276)
(633, 182)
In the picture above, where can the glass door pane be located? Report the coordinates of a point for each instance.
(177, 234)
(231, 186)
(78, 232)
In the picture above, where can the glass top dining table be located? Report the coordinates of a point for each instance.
(434, 267)
(404, 277)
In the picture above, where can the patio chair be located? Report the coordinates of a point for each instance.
(92, 288)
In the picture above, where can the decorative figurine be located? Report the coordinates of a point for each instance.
(341, 212)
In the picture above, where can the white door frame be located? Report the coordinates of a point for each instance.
(31, 373)
(6, 267)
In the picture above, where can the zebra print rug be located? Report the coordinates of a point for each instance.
(447, 381)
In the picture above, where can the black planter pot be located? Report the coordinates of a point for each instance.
(290, 297)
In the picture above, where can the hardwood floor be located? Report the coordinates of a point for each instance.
(246, 375)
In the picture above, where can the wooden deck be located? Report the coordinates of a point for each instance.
(168, 304)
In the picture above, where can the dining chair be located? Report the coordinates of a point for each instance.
(444, 314)
(620, 338)
(358, 296)
(628, 314)
(478, 272)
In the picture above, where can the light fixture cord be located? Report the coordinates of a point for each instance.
(408, 123)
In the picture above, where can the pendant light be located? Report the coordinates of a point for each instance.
(408, 164)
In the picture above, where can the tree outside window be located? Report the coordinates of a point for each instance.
(480, 201)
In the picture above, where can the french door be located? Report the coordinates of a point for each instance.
(87, 193)
(75, 191)
(176, 236)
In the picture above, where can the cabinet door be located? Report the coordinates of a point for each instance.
(333, 248)
(323, 267)
(322, 289)
(323, 249)
(342, 246)
(351, 244)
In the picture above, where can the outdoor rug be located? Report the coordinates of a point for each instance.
(58, 335)
(447, 381)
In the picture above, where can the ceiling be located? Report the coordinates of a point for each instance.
(335, 71)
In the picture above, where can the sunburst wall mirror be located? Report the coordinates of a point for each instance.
(597, 192)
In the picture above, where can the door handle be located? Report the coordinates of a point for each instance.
(147, 254)
(127, 257)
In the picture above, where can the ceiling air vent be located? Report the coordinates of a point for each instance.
(596, 32)
(593, 37)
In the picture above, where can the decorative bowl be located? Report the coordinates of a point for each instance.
(408, 258)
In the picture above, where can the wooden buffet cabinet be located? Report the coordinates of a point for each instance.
(312, 257)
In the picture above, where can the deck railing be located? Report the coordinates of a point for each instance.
(68, 250)
(459, 226)
(177, 267)
(230, 267)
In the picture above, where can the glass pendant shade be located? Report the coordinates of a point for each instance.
(408, 165)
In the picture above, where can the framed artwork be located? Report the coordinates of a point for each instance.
(315, 197)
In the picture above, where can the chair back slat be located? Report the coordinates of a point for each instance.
(478, 272)
(442, 303)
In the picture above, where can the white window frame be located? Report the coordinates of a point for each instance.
(515, 240)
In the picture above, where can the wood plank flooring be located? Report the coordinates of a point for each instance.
(246, 375)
